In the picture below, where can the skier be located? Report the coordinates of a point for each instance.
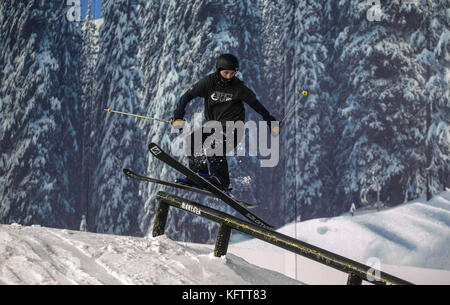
(223, 95)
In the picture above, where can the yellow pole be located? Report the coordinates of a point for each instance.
(109, 110)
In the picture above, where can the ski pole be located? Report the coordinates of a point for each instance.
(305, 93)
(109, 110)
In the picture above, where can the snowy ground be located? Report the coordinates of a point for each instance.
(411, 241)
(37, 255)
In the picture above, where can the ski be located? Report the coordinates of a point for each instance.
(198, 190)
(159, 153)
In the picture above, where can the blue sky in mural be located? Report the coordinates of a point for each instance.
(96, 8)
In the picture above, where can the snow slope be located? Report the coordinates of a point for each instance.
(37, 255)
(411, 241)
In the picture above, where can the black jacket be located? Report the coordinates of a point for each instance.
(223, 102)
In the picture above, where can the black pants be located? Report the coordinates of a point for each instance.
(218, 165)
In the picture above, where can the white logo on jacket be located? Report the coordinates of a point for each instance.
(221, 97)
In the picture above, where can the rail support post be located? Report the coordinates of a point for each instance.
(223, 238)
(160, 218)
(353, 279)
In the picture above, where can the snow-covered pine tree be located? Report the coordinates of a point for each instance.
(381, 96)
(180, 45)
(358, 123)
(3, 34)
(39, 99)
(431, 44)
(312, 120)
(89, 106)
(277, 33)
(295, 59)
(119, 142)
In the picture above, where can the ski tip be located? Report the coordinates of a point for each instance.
(126, 171)
(305, 93)
(154, 149)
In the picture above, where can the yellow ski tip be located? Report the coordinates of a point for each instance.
(305, 93)
(109, 110)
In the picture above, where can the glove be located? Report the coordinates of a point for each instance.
(177, 123)
(275, 131)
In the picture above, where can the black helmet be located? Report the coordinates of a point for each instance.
(227, 62)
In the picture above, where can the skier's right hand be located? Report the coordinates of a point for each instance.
(177, 123)
(276, 131)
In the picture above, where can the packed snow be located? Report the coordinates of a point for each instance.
(38, 255)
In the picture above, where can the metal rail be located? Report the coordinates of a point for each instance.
(357, 272)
